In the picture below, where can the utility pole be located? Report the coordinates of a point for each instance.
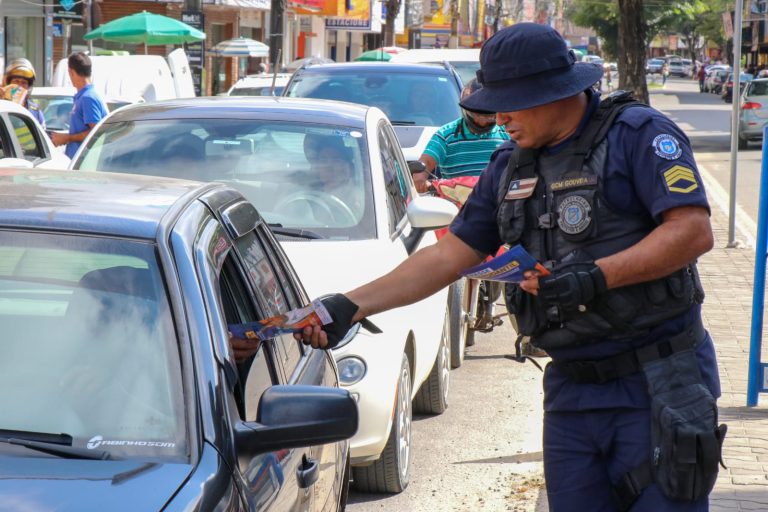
(276, 31)
(89, 24)
(736, 67)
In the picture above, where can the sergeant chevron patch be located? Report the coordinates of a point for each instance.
(680, 179)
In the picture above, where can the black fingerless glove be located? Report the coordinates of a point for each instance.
(341, 310)
(572, 285)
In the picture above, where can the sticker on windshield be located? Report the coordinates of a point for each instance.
(99, 441)
(356, 134)
(442, 79)
(341, 133)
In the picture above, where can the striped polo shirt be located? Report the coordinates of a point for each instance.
(459, 152)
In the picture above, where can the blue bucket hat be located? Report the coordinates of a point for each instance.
(527, 65)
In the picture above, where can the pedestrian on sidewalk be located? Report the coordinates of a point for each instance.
(664, 74)
(702, 74)
(606, 194)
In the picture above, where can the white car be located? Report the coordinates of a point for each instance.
(24, 143)
(56, 104)
(466, 61)
(331, 180)
(259, 85)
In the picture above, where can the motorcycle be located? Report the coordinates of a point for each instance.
(470, 301)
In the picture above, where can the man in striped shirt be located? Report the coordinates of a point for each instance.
(462, 147)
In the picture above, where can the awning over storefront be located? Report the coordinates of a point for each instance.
(254, 4)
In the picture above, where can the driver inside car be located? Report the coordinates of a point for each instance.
(332, 171)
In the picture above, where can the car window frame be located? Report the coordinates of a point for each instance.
(396, 226)
(34, 131)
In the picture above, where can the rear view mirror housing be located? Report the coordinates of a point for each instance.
(298, 416)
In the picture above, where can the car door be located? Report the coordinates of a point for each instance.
(302, 365)
(269, 481)
(22, 139)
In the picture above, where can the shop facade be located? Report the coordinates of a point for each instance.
(26, 31)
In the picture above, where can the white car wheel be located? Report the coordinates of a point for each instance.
(390, 472)
(432, 397)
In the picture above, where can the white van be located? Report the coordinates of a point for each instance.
(136, 78)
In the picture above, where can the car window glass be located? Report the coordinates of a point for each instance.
(269, 293)
(302, 176)
(397, 191)
(291, 294)
(256, 375)
(25, 132)
(758, 88)
(56, 110)
(88, 330)
(421, 99)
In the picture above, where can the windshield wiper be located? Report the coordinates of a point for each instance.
(278, 229)
(59, 445)
(402, 123)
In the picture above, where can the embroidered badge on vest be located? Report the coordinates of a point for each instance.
(520, 189)
(573, 215)
(666, 146)
(680, 179)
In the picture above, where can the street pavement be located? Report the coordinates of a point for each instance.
(484, 453)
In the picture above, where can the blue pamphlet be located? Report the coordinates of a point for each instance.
(508, 267)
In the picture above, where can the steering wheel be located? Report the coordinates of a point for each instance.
(334, 209)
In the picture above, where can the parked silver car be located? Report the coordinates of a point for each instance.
(754, 112)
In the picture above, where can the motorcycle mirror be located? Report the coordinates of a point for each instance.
(416, 166)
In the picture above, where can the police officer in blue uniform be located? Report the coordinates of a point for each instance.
(606, 194)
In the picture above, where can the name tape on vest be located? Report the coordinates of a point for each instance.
(573, 183)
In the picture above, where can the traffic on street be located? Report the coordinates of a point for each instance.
(315, 257)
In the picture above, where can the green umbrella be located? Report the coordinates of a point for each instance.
(374, 55)
(146, 28)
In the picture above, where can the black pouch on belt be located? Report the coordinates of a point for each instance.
(686, 441)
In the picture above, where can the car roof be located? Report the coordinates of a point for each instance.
(306, 110)
(54, 91)
(261, 80)
(437, 55)
(101, 203)
(385, 67)
(10, 106)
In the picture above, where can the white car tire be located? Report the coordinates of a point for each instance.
(432, 397)
(390, 473)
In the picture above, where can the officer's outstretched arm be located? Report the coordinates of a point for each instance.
(422, 274)
(684, 234)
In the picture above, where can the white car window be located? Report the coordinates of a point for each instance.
(398, 194)
(26, 133)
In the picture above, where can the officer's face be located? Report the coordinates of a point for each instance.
(534, 127)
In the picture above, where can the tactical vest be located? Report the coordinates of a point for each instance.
(566, 219)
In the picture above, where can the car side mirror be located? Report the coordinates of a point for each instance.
(416, 166)
(426, 213)
(298, 416)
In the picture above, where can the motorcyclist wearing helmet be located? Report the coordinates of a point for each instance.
(17, 85)
(462, 147)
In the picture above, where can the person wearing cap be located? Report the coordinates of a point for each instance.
(607, 196)
(17, 86)
(462, 147)
(88, 108)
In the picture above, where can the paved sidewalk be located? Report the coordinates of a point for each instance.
(727, 275)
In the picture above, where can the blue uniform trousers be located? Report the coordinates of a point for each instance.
(586, 452)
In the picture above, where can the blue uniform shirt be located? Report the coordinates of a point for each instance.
(87, 109)
(649, 169)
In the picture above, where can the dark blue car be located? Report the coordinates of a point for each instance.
(120, 388)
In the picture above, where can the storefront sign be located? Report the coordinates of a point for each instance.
(68, 10)
(318, 7)
(195, 51)
(358, 17)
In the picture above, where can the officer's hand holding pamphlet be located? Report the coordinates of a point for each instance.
(334, 313)
(508, 267)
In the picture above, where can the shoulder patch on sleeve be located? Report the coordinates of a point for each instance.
(680, 179)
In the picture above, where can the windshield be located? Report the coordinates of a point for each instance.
(257, 91)
(313, 177)
(406, 98)
(88, 346)
(55, 110)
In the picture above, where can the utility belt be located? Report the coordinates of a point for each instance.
(686, 441)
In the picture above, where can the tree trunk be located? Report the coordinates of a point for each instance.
(453, 41)
(632, 32)
(393, 9)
